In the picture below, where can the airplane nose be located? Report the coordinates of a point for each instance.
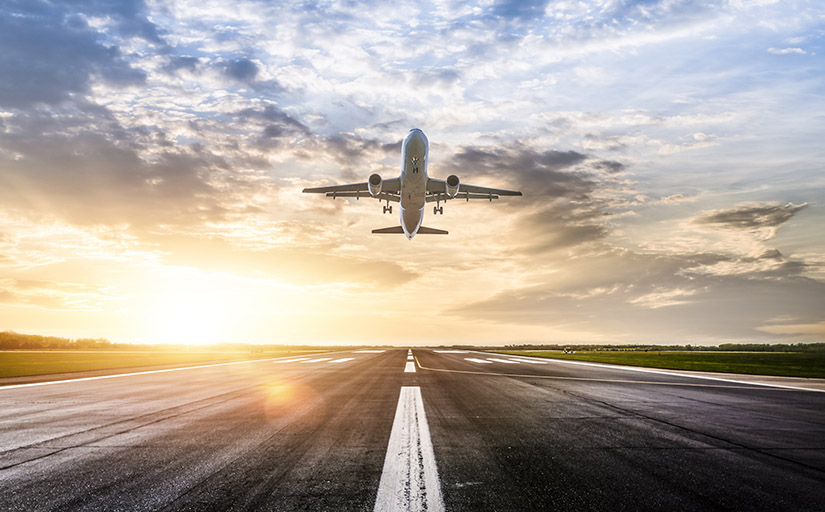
(416, 139)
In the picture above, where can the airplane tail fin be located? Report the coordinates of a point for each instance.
(421, 231)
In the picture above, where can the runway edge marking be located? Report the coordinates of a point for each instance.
(409, 480)
(131, 374)
(674, 373)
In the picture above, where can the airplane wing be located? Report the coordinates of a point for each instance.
(437, 191)
(390, 190)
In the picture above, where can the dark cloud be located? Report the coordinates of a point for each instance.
(349, 148)
(89, 170)
(520, 9)
(242, 70)
(557, 211)
(752, 217)
(273, 116)
(130, 16)
(657, 297)
(443, 76)
(609, 166)
(247, 72)
(277, 126)
(49, 54)
(191, 64)
(543, 174)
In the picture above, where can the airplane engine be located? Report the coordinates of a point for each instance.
(451, 187)
(374, 184)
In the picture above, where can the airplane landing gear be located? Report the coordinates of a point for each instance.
(387, 209)
(438, 209)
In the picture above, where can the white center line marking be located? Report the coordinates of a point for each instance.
(291, 360)
(410, 357)
(316, 360)
(410, 367)
(474, 360)
(502, 360)
(342, 360)
(409, 480)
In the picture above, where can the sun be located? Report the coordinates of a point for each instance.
(194, 309)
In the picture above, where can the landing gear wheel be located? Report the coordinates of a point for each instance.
(387, 209)
(438, 209)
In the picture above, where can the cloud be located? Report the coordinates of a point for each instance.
(53, 295)
(816, 330)
(541, 174)
(654, 298)
(675, 199)
(787, 51)
(242, 70)
(89, 170)
(520, 9)
(51, 54)
(291, 264)
(768, 215)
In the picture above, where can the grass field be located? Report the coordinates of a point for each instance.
(26, 362)
(789, 364)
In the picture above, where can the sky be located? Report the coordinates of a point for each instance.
(671, 156)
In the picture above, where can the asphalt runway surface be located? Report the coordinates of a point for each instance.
(362, 431)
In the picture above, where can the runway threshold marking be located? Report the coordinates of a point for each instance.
(291, 360)
(474, 360)
(748, 385)
(320, 359)
(502, 360)
(528, 361)
(409, 480)
(342, 360)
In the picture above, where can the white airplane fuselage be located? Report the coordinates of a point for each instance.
(413, 179)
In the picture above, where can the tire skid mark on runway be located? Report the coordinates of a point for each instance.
(615, 381)
(258, 494)
(409, 480)
(180, 410)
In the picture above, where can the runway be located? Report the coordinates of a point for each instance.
(363, 431)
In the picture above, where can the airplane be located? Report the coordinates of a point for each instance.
(412, 189)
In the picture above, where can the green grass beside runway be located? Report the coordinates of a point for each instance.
(787, 364)
(24, 363)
